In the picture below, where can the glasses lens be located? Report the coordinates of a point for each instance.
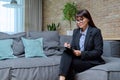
(77, 21)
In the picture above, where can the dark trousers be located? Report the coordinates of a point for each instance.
(70, 65)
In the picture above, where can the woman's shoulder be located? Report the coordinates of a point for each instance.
(95, 29)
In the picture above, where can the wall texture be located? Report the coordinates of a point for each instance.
(105, 13)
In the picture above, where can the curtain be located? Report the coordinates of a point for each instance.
(33, 15)
(19, 17)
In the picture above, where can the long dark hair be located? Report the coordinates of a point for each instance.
(85, 13)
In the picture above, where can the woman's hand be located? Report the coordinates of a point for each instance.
(77, 52)
(67, 45)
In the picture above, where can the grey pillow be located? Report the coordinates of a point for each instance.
(50, 39)
(18, 48)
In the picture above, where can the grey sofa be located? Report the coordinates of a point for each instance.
(40, 68)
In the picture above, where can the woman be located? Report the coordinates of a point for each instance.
(85, 49)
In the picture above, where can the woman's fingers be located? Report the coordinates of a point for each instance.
(66, 45)
(77, 52)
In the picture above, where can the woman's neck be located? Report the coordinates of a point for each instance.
(84, 28)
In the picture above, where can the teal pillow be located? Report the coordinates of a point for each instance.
(33, 47)
(6, 49)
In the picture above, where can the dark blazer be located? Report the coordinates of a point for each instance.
(93, 46)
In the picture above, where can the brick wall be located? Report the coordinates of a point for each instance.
(105, 13)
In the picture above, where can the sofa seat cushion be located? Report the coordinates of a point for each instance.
(6, 63)
(31, 62)
(98, 75)
(92, 75)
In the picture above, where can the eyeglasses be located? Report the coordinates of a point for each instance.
(78, 21)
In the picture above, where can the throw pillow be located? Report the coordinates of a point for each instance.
(33, 47)
(50, 40)
(6, 49)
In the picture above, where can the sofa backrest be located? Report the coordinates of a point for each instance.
(111, 48)
(65, 38)
(52, 40)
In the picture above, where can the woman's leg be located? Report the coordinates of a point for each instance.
(65, 64)
(80, 65)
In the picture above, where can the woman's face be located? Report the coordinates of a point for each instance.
(82, 22)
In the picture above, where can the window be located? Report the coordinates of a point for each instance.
(11, 19)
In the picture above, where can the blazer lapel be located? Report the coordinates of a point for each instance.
(87, 36)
